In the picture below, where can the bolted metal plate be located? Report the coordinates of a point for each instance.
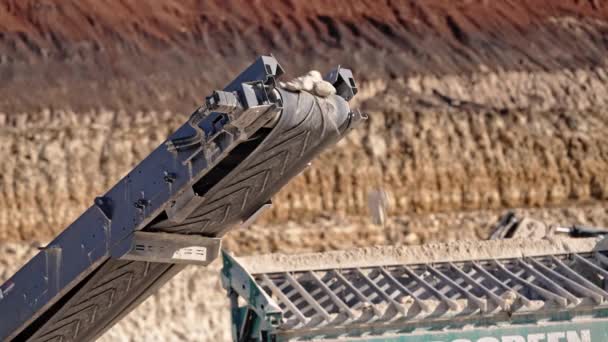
(173, 248)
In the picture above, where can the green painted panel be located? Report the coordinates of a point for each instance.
(586, 331)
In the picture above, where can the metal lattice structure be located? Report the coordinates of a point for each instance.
(404, 300)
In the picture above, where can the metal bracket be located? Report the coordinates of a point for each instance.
(173, 248)
(343, 80)
(235, 278)
(105, 206)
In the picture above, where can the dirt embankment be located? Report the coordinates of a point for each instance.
(437, 144)
(166, 55)
(474, 104)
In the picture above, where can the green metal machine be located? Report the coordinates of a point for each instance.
(488, 291)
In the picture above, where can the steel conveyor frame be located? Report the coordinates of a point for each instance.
(215, 172)
(526, 296)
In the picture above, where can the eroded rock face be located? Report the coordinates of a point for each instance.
(436, 144)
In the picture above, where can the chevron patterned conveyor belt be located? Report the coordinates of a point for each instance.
(217, 171)
(391, 289)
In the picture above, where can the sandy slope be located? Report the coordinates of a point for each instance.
(165, 55)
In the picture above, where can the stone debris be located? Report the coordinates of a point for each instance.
(312, 82)
(377, 201)
(403, 255)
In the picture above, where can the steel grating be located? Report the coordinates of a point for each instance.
(426, 292)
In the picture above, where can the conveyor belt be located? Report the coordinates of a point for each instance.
(215, 172)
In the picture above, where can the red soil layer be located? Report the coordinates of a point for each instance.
(167, 54)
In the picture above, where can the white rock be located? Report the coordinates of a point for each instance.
(312, 82)
(324, 88)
